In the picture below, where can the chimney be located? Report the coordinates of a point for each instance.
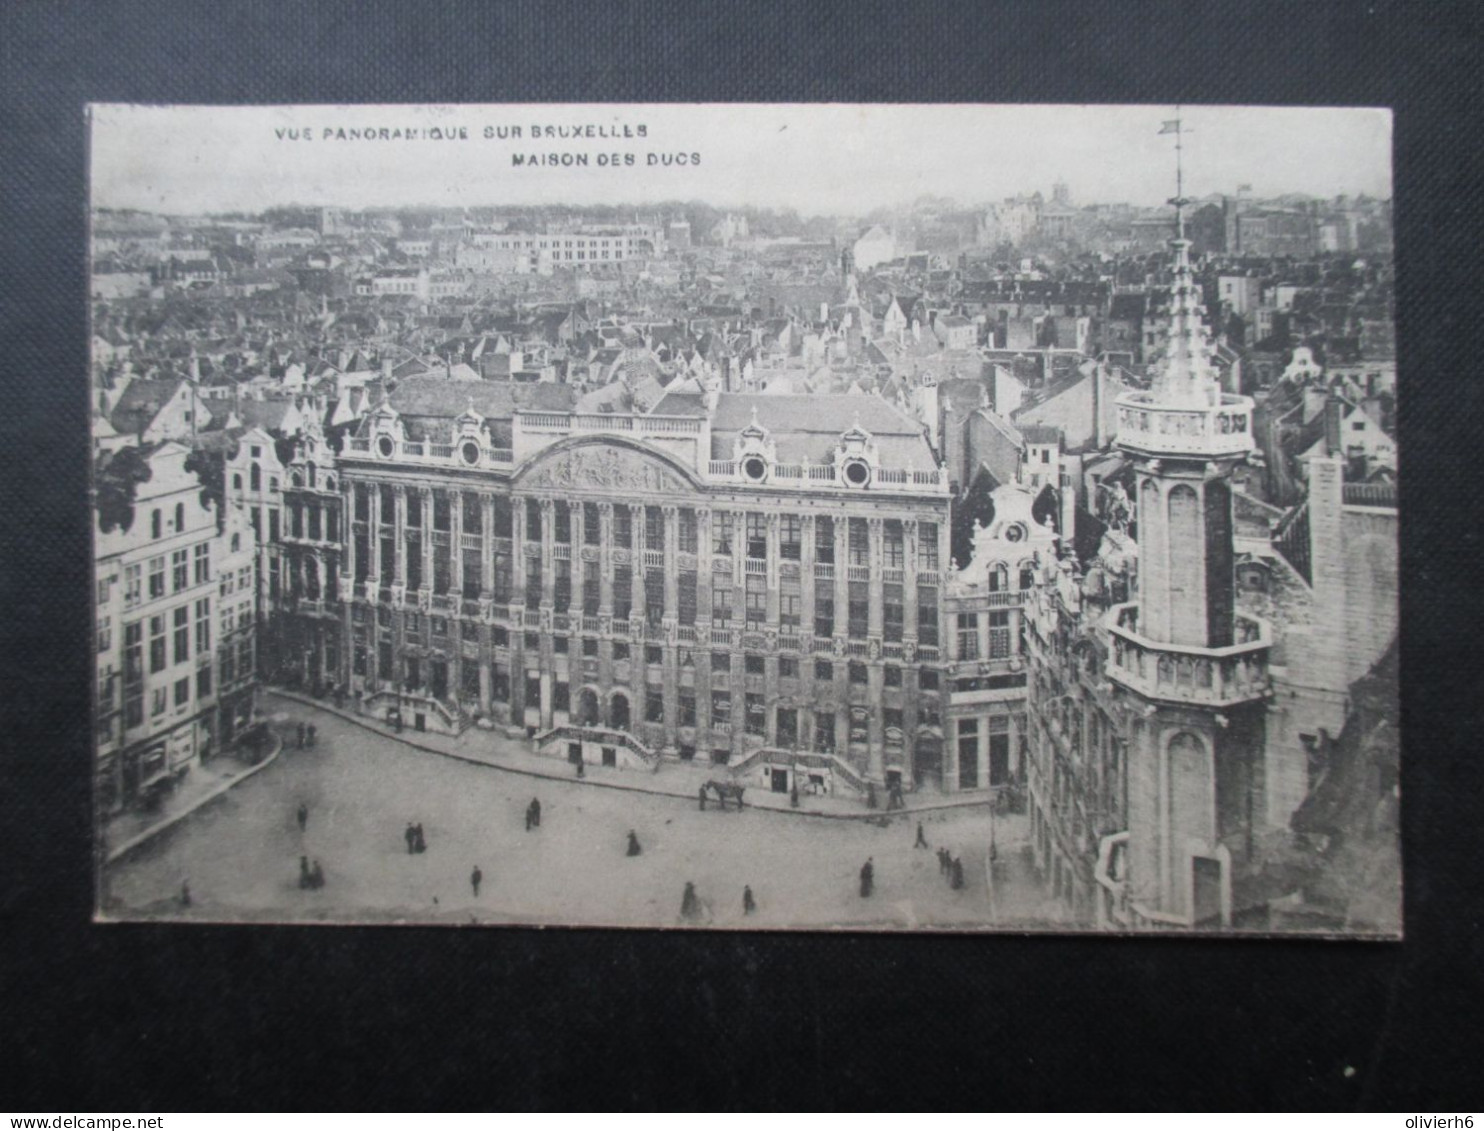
(1333, 413)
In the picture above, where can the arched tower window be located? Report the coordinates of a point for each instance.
(156, 525)
(999, 577)
(255, 478)
(179, 517)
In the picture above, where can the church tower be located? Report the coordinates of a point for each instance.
(1192, 672)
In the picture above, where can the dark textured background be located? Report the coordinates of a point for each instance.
(157, 1018)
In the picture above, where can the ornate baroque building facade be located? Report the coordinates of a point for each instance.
(757, 581)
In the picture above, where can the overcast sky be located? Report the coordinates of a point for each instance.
(819, 159)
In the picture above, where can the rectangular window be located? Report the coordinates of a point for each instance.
(968, 753)
(502, 579)
(504, 522)
(562, 597)
(203, 681)
(787, 726)
(757, 535)
(203, 563)
(721, 709)
(790, 604)
(563, 523)
(999, 635)
(182, 634)
(927, 615)
(858, 674)
(757, 714)
(891, 676)
(790, 536)
(859, 613)
(156, 578)
(860, 542)
(687, 531)
(721, 662)
(721, 533)
(654, 703)
(133, 586)
(824, 671)
(824, 539)
(592, 591)
(105, 634)
(623, 526)
(824, 615)
(687, 598)
(442, 511)
(156, 644)
(296, 519)
(314, 522)
(159, 700)
(892, 543)
(721, 603)
(533, 582)
(927, 545)
(687, 708)
(824, 730)
(180, 570)
(592, 530)
(891, 609)
(623, 592)
(756, 607)
(753, 664)
(654, 595)
(927, 679)
(182, 691)
(968, 636)
(273, 524)
(654, 528)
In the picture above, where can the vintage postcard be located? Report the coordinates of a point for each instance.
(878, 517)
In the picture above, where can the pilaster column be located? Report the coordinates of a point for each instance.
(876, 766)
(842, 586)
(399, 533)
(487, 549)
(703, 587)
(672, 567)
(548, 553)
(876, 562)
(426, 544)
(456, 546)
(605, 559)
(909, 580)
(517, 554)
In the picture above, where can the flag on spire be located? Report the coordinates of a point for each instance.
(1170, 127)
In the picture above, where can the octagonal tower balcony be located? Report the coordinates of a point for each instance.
(1150, 424)
(1194, 676)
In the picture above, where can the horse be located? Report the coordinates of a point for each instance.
(725, 790)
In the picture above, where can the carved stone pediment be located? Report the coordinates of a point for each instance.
(610, 466)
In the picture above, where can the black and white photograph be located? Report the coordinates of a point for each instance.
(866, 517)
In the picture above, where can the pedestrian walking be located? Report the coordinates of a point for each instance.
(942, 861)
(580, 771)
(301, 736)
(868, 878)
(420, 842)
(303, 816)
(410, 836)
(476, 878)
(529, 818)
(701, 793)
(316, 876)
(185, 893)
(303, 872)
(690, 906)
(634, 848)
(749, 905)
(311, 734)
(957, 881)
(921, 841)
